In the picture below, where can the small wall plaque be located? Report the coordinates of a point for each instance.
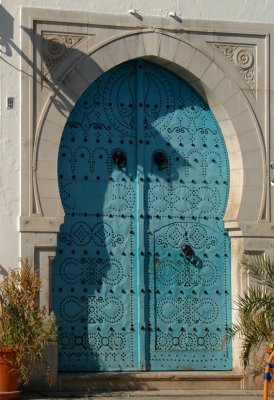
(10, 103)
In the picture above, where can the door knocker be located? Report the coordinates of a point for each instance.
(160, 160)
(119, 158)
(188, 252)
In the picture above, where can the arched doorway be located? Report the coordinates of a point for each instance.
(142, 272)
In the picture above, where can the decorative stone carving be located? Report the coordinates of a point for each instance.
(243, 57)
(55, 47)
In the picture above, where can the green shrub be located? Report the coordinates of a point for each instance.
(24, 325)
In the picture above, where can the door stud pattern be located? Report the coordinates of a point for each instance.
(143, 174)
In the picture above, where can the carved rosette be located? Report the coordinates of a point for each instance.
(243, 57)
(55, 47)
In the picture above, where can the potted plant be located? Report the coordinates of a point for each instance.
(25, 328)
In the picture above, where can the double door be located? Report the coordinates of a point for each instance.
(141, 278)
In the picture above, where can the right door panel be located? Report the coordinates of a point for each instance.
(187, 249)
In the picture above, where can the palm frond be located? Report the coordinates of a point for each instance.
(259, 267)
(254, 332)
(256, 299)
(255, 323)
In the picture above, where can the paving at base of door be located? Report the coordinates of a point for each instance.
(151, 395)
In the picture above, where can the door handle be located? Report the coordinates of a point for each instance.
(119, 158)
(188, 252)
(160, 160)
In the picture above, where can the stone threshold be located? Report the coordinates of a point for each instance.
(151, 394)
(149, 381)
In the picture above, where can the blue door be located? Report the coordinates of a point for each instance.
(141, 279)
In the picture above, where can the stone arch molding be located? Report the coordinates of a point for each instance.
(232, 111)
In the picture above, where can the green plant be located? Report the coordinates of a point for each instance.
(255, 324)
(23, 324)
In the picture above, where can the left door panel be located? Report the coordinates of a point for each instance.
(94, 279)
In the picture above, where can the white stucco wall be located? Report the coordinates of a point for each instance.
(10, 70)
(233, 10)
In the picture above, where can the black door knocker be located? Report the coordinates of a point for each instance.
(160, 160)
(188, 252)
(119, 158)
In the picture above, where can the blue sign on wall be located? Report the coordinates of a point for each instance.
(141, 278)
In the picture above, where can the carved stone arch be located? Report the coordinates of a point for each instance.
(233, 113)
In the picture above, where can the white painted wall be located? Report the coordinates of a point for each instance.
(234, 10)
(10, 65)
